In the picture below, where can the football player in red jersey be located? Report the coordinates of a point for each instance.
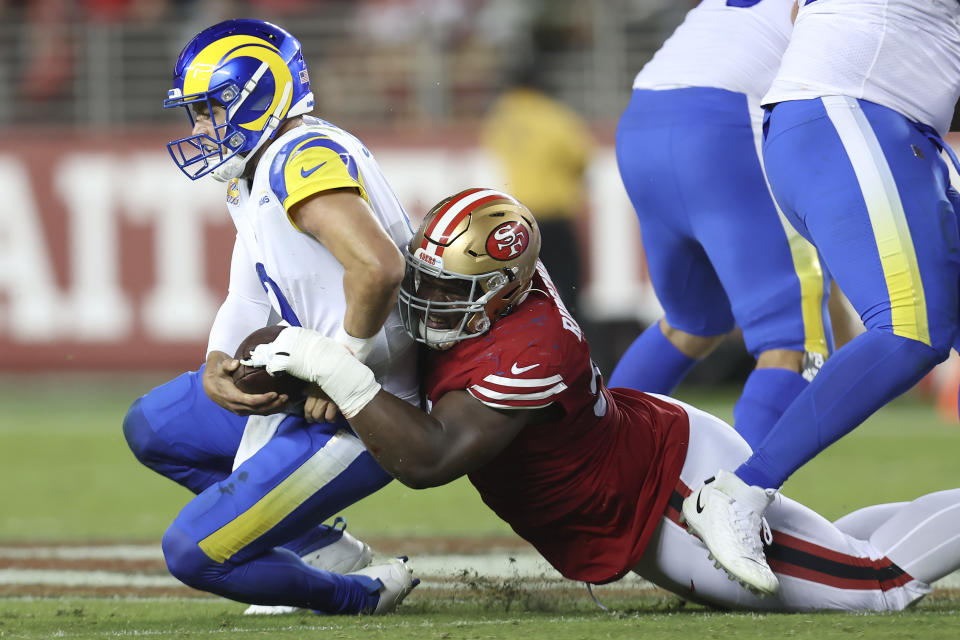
(592, 477)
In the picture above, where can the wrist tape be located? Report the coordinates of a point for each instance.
(359, 347)
(329, 364)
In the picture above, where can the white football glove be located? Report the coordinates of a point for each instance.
(274, 356)
(316, 358)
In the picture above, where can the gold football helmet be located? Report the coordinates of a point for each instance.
(471, 262)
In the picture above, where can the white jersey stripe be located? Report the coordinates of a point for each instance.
(523, 382)
(536, 395)
(514, 406)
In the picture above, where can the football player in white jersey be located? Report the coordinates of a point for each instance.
(720, 253)
(319, 232)
(855, 157)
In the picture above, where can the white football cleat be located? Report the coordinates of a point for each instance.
(396, 580)
(345, 555)
(728, 516)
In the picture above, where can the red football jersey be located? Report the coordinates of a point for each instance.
(587, 489)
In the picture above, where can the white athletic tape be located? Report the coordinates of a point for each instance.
(324, 361)
(359, 347)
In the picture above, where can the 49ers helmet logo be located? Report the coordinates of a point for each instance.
(507, 241)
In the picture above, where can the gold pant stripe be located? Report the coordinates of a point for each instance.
(898, 258)
(806, 262)
(322, 467)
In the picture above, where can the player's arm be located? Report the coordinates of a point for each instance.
(422, 450)
(245, 308)
(344, 223)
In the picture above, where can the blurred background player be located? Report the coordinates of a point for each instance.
(543, 148)
(720, 254)
(852, 146)
(591, 477)
(318, 231)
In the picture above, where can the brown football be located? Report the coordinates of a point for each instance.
(256, 379)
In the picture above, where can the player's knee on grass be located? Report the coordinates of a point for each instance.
(186, 561)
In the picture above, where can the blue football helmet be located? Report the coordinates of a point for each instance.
(255, 71)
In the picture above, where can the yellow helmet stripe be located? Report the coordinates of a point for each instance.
(196, 78)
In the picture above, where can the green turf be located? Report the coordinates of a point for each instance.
(447, 619)
(71, 475)
(68, 474)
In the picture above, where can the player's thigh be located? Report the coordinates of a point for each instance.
(305, 474)
(187, 423)
(713, 445)
(771, 274)
(686, 285)
(678, 561)
(863, 522)
(818, 565)
(871, 191)
(650, 152)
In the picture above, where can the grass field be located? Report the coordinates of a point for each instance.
(68, 478)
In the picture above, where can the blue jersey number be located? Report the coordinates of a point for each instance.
(742, 3)
(271, 287)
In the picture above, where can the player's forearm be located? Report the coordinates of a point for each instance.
(408, 443)
(420, 449)
(371, 290)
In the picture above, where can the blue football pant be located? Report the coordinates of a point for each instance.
(870, 189)
(226, 540)
(718, 251)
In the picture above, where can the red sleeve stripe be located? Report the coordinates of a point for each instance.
(502, 381)
(528, 395)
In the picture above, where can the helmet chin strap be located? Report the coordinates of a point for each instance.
(233, 167)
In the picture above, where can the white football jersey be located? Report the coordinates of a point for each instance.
(727, 44)
(288, 269)
(902, 54)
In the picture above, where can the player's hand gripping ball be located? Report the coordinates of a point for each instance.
(256, 379)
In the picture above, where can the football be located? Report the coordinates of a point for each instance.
(256, 379)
